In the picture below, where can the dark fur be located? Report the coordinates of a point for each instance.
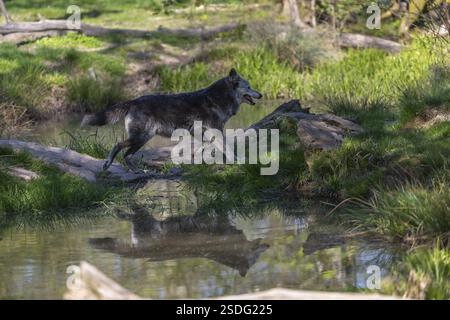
(161, 114)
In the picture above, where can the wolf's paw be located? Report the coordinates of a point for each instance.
(131, 166)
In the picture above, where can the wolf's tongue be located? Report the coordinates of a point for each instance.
(249, 99)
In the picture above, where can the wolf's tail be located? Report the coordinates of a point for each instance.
(111, 115)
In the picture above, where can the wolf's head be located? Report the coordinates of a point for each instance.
(244, 93)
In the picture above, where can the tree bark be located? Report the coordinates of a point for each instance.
(333, 14)
(72, 162)
(290, 10)
(412, 14)
(354, 40)
(313, 14)
(93, 30)
(5, 13)
(315, 131)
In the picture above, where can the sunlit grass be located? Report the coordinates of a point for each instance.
(434, 264)
(51, 197)
(87, 80)
(411, 212)
(423, 274)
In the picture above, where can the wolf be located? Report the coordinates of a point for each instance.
(161, 114)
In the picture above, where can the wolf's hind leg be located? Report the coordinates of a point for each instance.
(136, 143)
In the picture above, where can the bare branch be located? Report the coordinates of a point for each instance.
(5, 13)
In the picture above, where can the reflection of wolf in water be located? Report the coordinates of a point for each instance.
(186, 237)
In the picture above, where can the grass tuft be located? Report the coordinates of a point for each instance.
(413, 212)
(86, 94)
(50, 198)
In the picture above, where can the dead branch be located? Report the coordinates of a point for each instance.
(94, 30)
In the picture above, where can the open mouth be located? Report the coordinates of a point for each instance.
(249, 99)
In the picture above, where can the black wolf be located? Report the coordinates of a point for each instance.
(161, 114)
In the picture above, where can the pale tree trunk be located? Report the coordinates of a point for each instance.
(5, 12)
(290, 10)
(333, 14)
(313, 13)
(412, 13)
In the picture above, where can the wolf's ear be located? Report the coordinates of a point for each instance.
(234, 75)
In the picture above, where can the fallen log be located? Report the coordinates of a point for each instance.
(91, 284)
(26, 37)
(22, 173)
(94, 30)
(354, 40)
(72, 162)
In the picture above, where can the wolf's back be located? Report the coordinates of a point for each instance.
(110, 115)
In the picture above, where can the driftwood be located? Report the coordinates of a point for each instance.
(5, 13)
(27, 37)
(354, 40)
(94, 30)
(315, 131)
(22, 173)
(91, 284)
(71, 161)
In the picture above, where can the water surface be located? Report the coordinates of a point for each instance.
(191, 256)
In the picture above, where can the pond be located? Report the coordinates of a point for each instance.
(185, 256)
(172, 251)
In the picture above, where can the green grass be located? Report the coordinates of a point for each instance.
(260, 66)
(56, 69)
(71, 40)
(93, 144)
(86, 94)
(22, 82)
(424, 274)
(361, 75)
(431, 93)
(384, 156)
(189, 78)
(51, 198)
(434, 264)
(411, 212)
(372, 74)
(301, 50)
